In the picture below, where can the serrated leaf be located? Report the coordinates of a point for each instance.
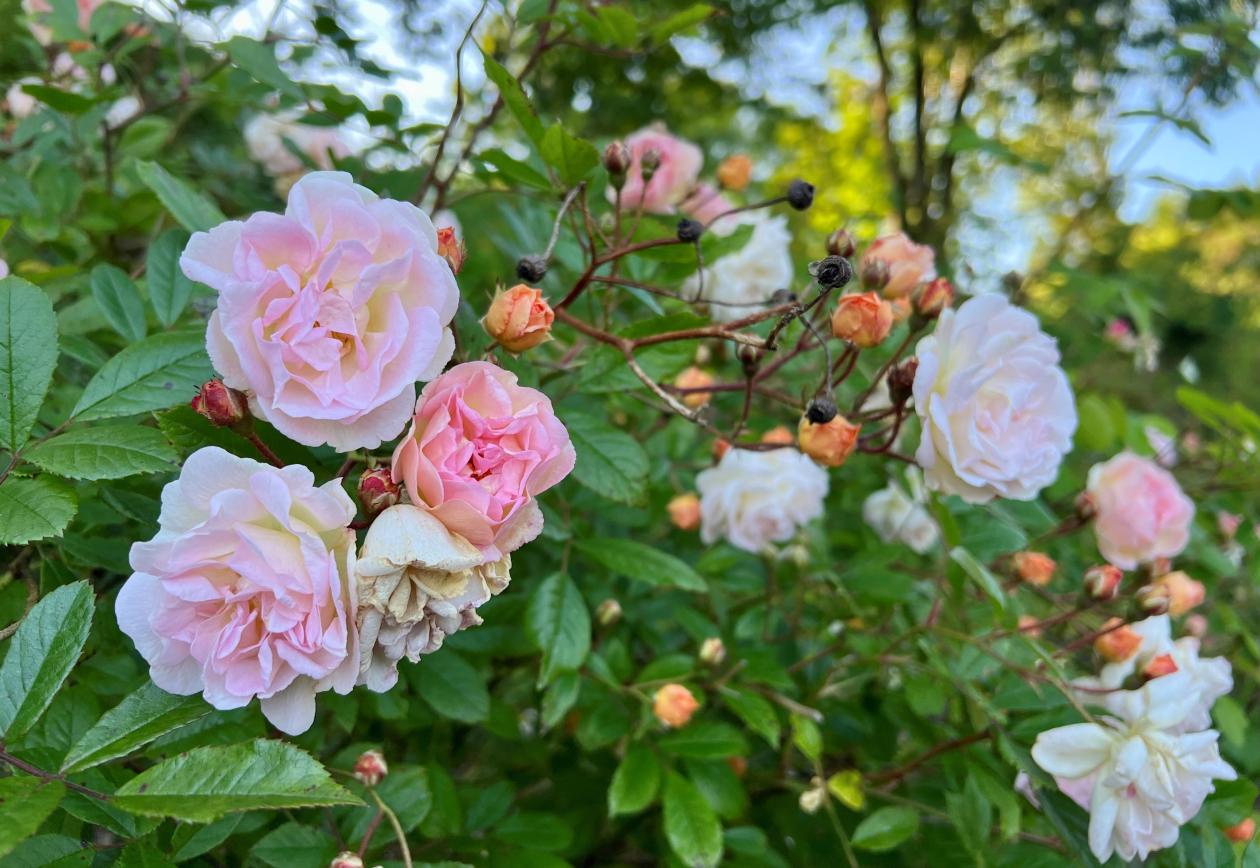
(705, 740)
(756, 712)
(295, 846)
(515, 100)
(643, 563)
(158, 372)
(105, 452)
(571, 157)
(259, 60)
(143, 854)
(635, 782)
(25, 803)
(609, 462)
(452, 687)
(169, 288)
(119, 299)
(559, 625)
(43, 651)
(207, 782)
(693, 830)
(885, 829)
(35, 509)
(28, 355)
(194, 211)
(141, 717)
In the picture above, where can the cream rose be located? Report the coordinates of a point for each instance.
(753, 499)
(742, 282)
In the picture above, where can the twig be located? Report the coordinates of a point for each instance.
(34, 771)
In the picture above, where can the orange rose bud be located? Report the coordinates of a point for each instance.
(1118, 644)
(1034, 567)
(933, 297)
(1159, 666)
(1027, 626)
(734, 172)
(673, 705)
(778, 435)
(451, 249)
(1242, 832)
(862, 318)
(694, 378)
(1184, 593)
(1103, 582)
(829, 443)
(519, 318)
(684, 511)
(720, 447)
(221, 404)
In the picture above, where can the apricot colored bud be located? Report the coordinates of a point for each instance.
(451, 248)
(1160, 666)
(712, 651)
(519, 318)
(346, 859)
(778, 435)
(1118, 643)
(1241, 833)
(1153, 599)
(1103, 582)
(221, 404)
(720, 447)
(1028, 626)
(684, 511)
(735, 171)
(370, 768)
(608, 613)
(1034, 568)
(1184, 593)
(378, 491)
(738, 765)
(933, 297)
(694, 378)
(673, 705)
(829, 443)
(862, 318)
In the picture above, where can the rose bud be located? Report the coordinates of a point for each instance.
(863, 319)
(519, 318)
(738, 765)
(841, 243)
(346, 859)
(694, 378)
(1196, 625)
(531, 269)
(617, 162)
(1160, 666)
(720, 447)
(778, 435)
(1228, 523)
(874, 273)
(829, 443)
(673, 705)
(1085, 506)
(1242, 832)
(378, 491)
(1103, 582)
(221, 404)
(1119, 643)
(370, 768)
(1153, 599)
(901, 381)
(684, 511)
(712, 651)
(812, 799)
(1034, 568)
(933, 297)
(649, 163)
(800, 194)
(1028, 626)
(832, 272)
(749, 359)
(608, 613)
(690, 230)
(735, 172)
(1184, 593)
(451, 249)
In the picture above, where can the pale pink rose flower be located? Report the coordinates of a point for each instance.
(909, 264)
(680, 163)
(1142, 514)
(480, 449)
(4, 269)
(37, 9)
(329, 313)
(247, 590)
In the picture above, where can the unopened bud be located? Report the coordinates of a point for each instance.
(694, 378)
(1029, 626)
(821, 411)
(720, 447)
(901, 381)
(531, 269)
(1103, 582)
(933, 297)
(735, 172)
(684, 511)
(674, 705)
(1184, 593)
(738, 765)
(778, 435)
(862, 318)
(832, 272)
(649, 163)
(608, 613)
(690, 230)
(1153, 599)
(841, 243)
(370, 768)
(800, 194)
(1118, 643)
(712, 651)
(749, 359)
(378, 491)
(1241, 833)
(875, 273)
(829, 443)
(813, 798)
(617, 162)
(519, 318)
(1160, 666)
(1034, 568)
(451, 248)
(1085, 507)
(1228, 523)
(346, 859)
(221, 404)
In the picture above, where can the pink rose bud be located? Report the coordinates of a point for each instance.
(1103, 582)
(370, 768)
(712, 651)
(1241, 833)
(1184, 593)
(519, 318)
(222, 405)
(933, 297)
(779, 435)
(378, 491)
(1118, 643)
(346, 859)
(673, 705)
(1228, 523)
(863, 319)
(1034, 568)
(617, 161)
(829, 443)
(1196, 625)
(1153, 599)
(451, 248)
(908, 264)
(735, 172)
(608, 613)
(684, 511)
(1160, 666)
(1028, 626)
(841, 243)
(694, 378)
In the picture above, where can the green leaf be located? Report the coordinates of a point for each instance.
(41, 655)
(680, 21)
(119, 299)
(609, 462)
(972, 815)
(807, 737)
(513, 169)
(705, 740)
(25, 803)
(35, 509)
(295, 846)
(194, 211)
(143, 854)
(105, 452)
(572, 158)
(885, 829)
(159, 372)
(169, 289)
(207, 782)
(635, 782)
(452, 687)
(980, 574)
(64, 101)
(755, 711)
(515, 100)
(643, 563)
(28, 355)
(559, 625)
(259, 60)
(691, 826)
(559, 698)
(141, 717)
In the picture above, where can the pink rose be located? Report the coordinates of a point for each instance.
(330, 312)
(909, 264)
(680, 163)
(247, 591)
(1142, 514)
(480, 449)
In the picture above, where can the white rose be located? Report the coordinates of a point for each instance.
(417, 584)
(755, 498)
(997, 410)
(895, 515)
(741, 283)
(264, 139)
